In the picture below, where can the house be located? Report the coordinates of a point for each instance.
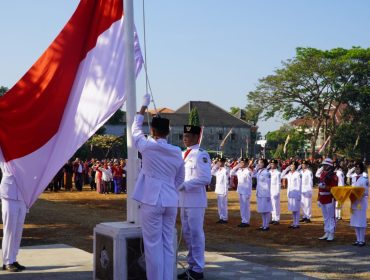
(217, 124)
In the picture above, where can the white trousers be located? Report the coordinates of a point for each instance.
(328, 214)
(192, 231)
(360, 233)
(275, 213)
(158, 224)
(265, 219)
(245, 212)
(295, 216)
(306, 206)
(222, 206)
(13, 214)
(338, 210)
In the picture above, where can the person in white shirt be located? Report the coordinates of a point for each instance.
(263, 193)
(359, 207)
(193, 201)
(307, 188)
(340, 174)
(244, 189)
(222, 174)
(294, 191)
(275, 192)
(161, 175)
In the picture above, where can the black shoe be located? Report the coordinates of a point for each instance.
(242, 225)
(355, 243)
(265, 229)
(303, 220)
(19, 266)
(11, 268)
(189, 274)
(272, 222)
(295, 227)
(291, 226)
(222, 222)
(361, 244)
(260, 228)
(307, 221)
(275, 223)
(219, 221)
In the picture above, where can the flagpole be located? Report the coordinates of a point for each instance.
(130, 89)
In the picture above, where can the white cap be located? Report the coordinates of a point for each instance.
(327, 161)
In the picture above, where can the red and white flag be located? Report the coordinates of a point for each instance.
(322, 148)
(72, 89)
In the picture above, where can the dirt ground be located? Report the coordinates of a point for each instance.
(70, 217)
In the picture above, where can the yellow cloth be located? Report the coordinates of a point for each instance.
(341, 194)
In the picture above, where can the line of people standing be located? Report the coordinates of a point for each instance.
(300, 182)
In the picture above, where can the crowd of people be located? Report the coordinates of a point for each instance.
(105, 176)
(299, 177)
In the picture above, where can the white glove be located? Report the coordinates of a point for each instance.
(146, 100)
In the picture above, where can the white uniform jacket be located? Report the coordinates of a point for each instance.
(197, 176)
(222, 179)
(263, 187)
(275, 182)
(162, 169)
(244, 180)
(8, 186)
(340, 176)
(307, 182)
(360, 181)
(294, 189)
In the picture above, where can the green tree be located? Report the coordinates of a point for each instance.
(313, 84)
(3, 90)
(276, 141)
(194, 117)
(117, 117)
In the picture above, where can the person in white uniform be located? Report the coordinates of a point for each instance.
(359, 207)
(244, 189)
(161, 174)
(13, 214)
(193, 201)
(222, 174)
(294, 191)
(340, 174)
(263, 190)
(275, 192)
(307, 188)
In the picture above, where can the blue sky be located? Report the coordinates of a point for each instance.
(209, 50)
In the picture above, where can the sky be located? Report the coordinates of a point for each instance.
(198, 50)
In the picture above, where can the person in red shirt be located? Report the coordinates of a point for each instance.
(328, 179)
(117, 171)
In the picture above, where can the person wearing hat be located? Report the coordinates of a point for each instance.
(263, 193)
(244, 189)
(359, 207)
(222, 174)
(307, 187)
(161, 174)
(193, 201)
(275, 192)
(328, 179)
(294, 191)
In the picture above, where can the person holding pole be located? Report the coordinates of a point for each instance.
(156, 187)
(193, 201)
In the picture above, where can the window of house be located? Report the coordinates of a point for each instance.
(220, 136)
(180, 137)
(233, 137)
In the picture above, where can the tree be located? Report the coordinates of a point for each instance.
(313, 85)
(117, 117)
(194, 117)
(276, 140)
(3, 90)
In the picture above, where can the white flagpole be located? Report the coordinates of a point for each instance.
(130, 89)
